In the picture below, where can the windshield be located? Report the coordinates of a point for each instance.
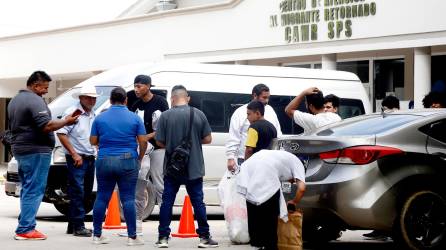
(66, 100)
(371, 125)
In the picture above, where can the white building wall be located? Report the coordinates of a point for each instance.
(235, 30)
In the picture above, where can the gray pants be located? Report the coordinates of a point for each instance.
(146, 189)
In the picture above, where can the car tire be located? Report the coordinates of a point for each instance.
(421, 222)
(151, 201)
(64, 208)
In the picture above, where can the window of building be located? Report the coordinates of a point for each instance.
(438, 73)
(389, 78)
(360, 68)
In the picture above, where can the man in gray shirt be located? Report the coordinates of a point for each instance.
(32, 143)
(173, 127)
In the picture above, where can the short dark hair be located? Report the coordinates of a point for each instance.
(143, 79)
(257, 106)
(391, 102)
(259, 88)
(434, 97)
(333, 99)
(118, 95)
(38, 76)
(179, 87)
(316, 99)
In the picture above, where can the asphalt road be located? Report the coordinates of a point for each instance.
(50, 222)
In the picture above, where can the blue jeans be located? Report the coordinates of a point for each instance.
(195, 190)
(80, 185)
(112, 170)
(33, 173)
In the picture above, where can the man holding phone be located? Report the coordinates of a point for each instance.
(80, 156)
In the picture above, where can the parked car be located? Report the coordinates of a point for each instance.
(383, 171)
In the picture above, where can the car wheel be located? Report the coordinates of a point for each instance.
(421, 223)
(64, 208)
(149, 192)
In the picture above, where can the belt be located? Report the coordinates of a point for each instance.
(87, 157)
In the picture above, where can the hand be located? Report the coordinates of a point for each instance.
(70, 119)
(310, 91)
(150, 136)
(231, 165)
(77, 160)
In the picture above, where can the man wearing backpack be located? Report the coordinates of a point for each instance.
(182, 125)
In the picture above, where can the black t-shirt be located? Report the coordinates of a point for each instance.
(260, 135)
(28, 114)
(156, 103)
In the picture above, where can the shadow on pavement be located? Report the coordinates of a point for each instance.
(353, 245)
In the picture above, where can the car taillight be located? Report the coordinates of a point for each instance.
(358, 155)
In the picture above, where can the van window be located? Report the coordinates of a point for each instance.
(350, 108)
(347, 108)
(219, 107)
(66, 100)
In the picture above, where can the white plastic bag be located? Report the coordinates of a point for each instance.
(234, 209)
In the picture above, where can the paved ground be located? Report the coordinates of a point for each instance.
(50, 222)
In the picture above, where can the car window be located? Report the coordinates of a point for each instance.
(219, 107)
(436, 130)
(66, 100)
(368, 126)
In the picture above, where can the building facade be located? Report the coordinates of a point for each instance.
(396, 47)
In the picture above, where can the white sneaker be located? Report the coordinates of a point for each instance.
(135, 242)
(125, 234)
(100, 240)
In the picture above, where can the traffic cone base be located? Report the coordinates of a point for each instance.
(187, 225)
(113, 218)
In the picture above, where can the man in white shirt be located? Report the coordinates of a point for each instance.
(259, 181)
(238, 128)
(315, 105)
(80, 157)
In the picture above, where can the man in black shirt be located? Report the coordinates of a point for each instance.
(148, 106)
(261, 132)
(32, 144)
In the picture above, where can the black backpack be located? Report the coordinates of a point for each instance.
(178, 160)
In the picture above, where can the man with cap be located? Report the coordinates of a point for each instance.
(80, 157)
(146, 107)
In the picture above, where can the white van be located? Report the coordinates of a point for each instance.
(215, 89)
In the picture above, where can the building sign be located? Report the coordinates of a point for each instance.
(302, 19)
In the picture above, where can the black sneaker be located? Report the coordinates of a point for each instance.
(163, 242)
(82, 232)
(207, 243)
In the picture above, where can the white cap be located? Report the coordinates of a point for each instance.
(87, 90)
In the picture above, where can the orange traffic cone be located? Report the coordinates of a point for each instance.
(187, 226)
(113, 218)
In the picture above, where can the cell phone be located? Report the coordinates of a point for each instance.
(77, 112)
(291, 207)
